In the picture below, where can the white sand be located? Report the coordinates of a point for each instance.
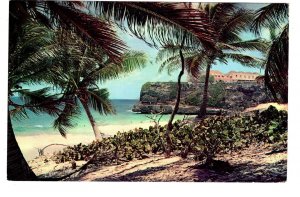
(29, 144)
(265, 106)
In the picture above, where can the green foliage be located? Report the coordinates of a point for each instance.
(173, 92)
(213, 135)
(193, 98)
(216, 94)
(146, 86)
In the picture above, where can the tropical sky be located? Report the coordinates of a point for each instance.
(128, 86)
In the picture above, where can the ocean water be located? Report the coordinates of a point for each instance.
(43, 123)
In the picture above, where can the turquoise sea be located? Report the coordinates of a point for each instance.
(43, 123)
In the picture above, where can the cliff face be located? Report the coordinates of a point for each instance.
(159, 97)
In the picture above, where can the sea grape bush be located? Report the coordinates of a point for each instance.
(215, 134)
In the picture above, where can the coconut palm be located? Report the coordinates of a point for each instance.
(31, 58)
(78, 83)
(71, 17)
(275, 17)
(229, 21)
(39, 51)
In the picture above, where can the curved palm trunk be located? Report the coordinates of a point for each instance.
(92, 121)
(17, 167)
(202, 111)
(176, 107)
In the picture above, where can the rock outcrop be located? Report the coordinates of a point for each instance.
(159, 97)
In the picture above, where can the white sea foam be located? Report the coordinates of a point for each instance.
(38, 126)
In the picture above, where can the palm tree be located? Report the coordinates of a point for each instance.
(31, 58)
(275, 17)
(54, 14)
(39, 51)
(230, 21)
(79, 82)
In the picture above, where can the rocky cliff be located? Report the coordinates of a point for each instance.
(159, 97)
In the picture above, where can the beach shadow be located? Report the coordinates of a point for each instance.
(114, 177)
(246, 172)
(134, 176)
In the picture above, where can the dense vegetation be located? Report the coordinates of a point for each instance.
(216, 94)
(203, 140)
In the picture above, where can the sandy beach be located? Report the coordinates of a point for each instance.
(29, 144)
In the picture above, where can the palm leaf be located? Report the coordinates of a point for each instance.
(276, 72)
(159, 21)
(133, 60)
(238, 22)
(64, 120)
(130, 61)
(271, 16)
(39, 101)
(171, 62)
(99, 101)
(245, 60)
(71, 17)
(95, 31)
(196, 64)
(255, 44)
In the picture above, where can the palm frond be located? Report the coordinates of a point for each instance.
(133, 60)
(239, 21)
(92, 30)
(270, 16)
(171, 62)
(19, 113)
(276, 72)
(39, 101)
(218, 12)
(64, 120)
(258, 44)
(196, 63)
(245, 60)
(170, 50)
(71, 17)
(158, 22)
(99, 101)
(130, 61)
(168, 63)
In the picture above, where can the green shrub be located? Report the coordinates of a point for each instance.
(216, 94)
(213, 135)
(173, 93)
(146, 86)
(193, 99)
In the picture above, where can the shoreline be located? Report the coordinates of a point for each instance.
(29, 144)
